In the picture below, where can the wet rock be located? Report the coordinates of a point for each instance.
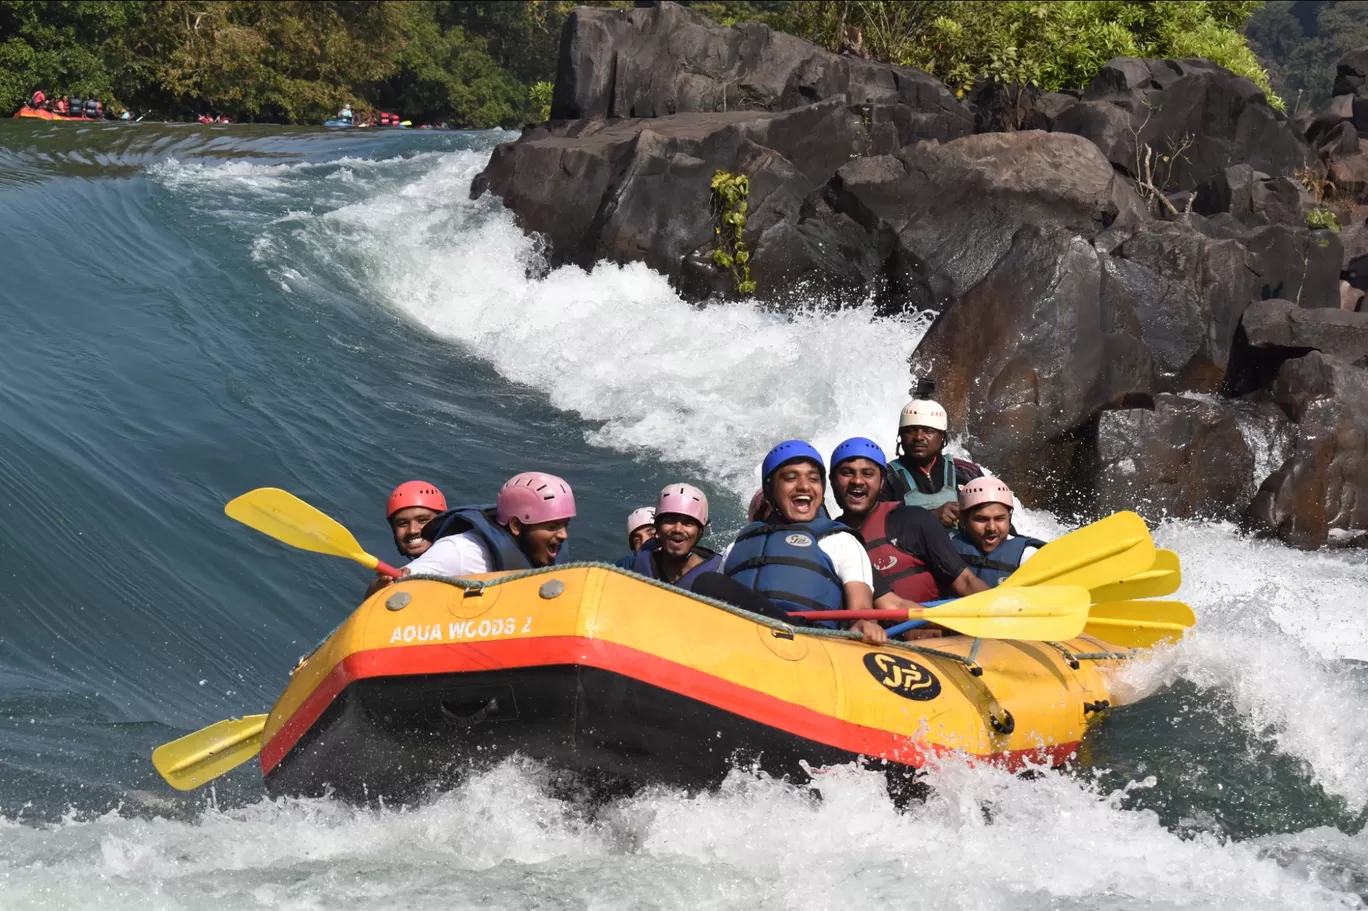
(1282, 324)
(1352, 73)
(1253, 197)
(668, 59)
(1202, 116)
(1184, 458)
(1023, 377)
(946, 214)
(1320, 493)
(637, 190)
(1350, 297)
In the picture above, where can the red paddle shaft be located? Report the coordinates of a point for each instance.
(874, 614)
(385, 569)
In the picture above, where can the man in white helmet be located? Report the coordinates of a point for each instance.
(640, 529)
(922, 475)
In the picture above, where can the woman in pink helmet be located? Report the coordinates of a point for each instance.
(526, 527)
(985, 538)
(674, 555)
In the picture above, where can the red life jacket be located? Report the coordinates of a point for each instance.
(907, 575)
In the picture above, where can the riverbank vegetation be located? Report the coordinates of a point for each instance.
(484, 64)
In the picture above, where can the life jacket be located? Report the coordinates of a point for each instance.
(78, 107)
(643, 565)
(784, 563)
(905, 485)
(904, 572)
(92, 108)
(480, 519)
(1005, 559)
(39, 99)
(60, 106)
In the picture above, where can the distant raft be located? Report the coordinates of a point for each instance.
(599, 671)
(40, 114)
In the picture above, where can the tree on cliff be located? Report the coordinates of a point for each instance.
(1057, 45)
(1300, 41)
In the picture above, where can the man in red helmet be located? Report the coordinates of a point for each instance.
(411, 506)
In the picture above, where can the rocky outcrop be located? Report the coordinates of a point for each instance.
(667, 60)
(1316, 496)
(1200, 116)
(1106, 328)
(1183, 458)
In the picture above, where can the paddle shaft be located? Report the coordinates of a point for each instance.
(385, 569)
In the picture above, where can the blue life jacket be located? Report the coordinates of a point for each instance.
(1005, 560)
(643, 565)
(903, 483)
(76, 108)
(626, 562)
(480, 519)
(784, 563)
(92, 108)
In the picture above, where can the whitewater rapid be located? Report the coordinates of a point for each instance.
(707, 391)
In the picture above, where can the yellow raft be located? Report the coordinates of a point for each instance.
(597, 670)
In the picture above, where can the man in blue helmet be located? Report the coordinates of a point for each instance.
(799, 559)
(907, 546)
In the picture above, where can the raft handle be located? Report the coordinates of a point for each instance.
(785, 633)
(1006, 726)
(473, 718)
(1100, 705)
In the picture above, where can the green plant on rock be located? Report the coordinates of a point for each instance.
(1321, 217)
(729, 205)
(539, 100)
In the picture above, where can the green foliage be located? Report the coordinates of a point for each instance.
(1300, 42)
(729, 205)
(539, 100)
(1053, 45)
(1321, 217)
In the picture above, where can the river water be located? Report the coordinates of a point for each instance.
(190, 312)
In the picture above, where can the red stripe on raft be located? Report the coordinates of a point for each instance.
(508, 654)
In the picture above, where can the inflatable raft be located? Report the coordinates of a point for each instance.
(600, 671)
(40, 114)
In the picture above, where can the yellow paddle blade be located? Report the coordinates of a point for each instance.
(199, 758)
(285, 517)
(1045, 612)
(1140, 624)
(1095, 555)
(1163, 578)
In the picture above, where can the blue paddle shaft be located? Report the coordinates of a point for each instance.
(899, 629)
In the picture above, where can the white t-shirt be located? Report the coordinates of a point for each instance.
(847, 555)
(454, 555)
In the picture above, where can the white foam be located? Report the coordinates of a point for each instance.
(985, 839)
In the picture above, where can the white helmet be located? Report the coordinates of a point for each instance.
(924, 413)
(639, 517)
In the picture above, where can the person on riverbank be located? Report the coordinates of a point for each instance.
(673, 553)
(640, 529)
(797, 560)
(911, 554)
(922, 475)
(527, 528)
(985, 539)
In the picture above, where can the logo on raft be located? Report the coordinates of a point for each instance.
(906, 678)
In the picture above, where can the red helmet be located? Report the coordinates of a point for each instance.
(415, 493)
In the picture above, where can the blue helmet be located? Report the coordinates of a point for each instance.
(789, 451)
(858, 448)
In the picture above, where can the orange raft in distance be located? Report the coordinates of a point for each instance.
(596, 670)
(40, 114)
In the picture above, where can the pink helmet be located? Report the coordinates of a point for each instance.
(683, 500)
(534, 497)
(984, 490)
(415, 493)
(757, 505)
(640, 518)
